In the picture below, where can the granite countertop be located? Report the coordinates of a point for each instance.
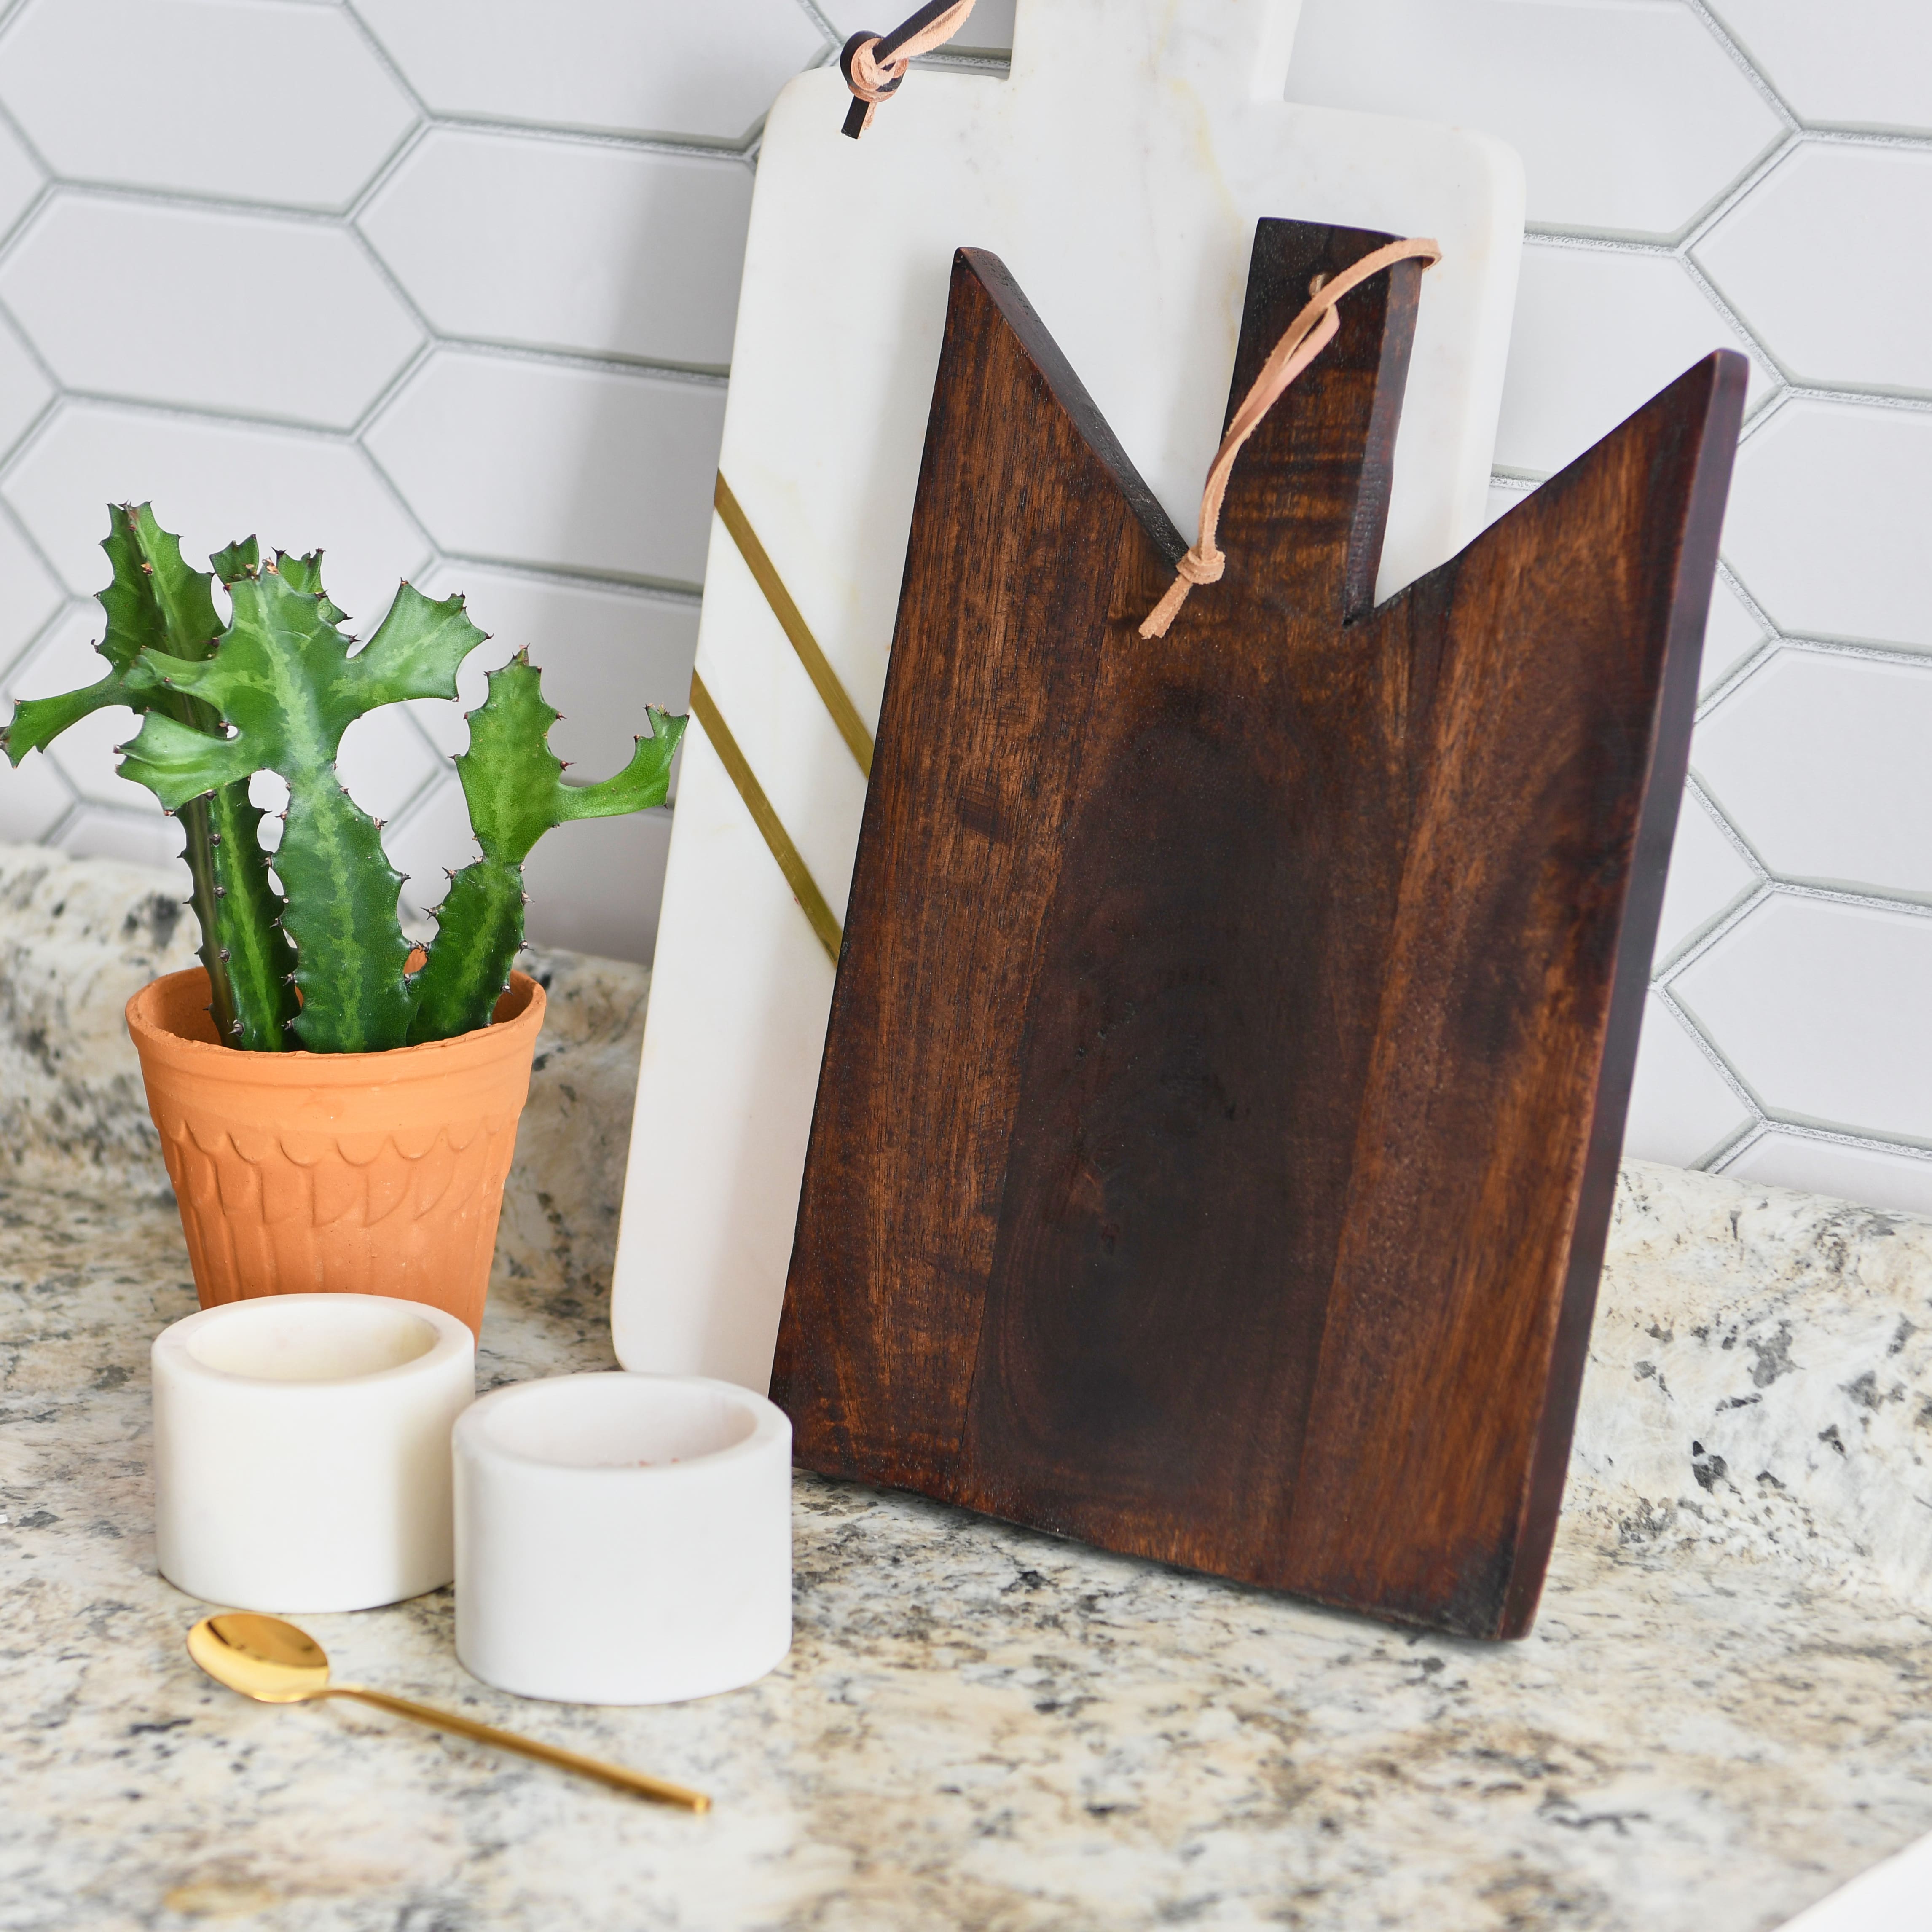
(1720, 1717)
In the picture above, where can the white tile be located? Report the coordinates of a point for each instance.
(383, 762)
(1821, 1007)
(88, 754)
(1848, 63)
(431, 838)
(64, 660)
(20, 179)
(1835, 204)
(34, 799)
(28, 595)
(1708, 875)
(244, 313)
(595, 886)
(564, 245)
(24, 391)
(1821, 761)
(264, 101)
(1681, 1110)
(143, 839)
(709, 70)
(542, 463)
(1830, 507)
(1629, 116)
(604, 656)
(1598, 334)
(213, 482)
(1901, 1180)
(1731, 635)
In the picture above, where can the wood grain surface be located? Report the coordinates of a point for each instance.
(1227, 1065)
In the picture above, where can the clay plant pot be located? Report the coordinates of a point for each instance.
(337, 1173)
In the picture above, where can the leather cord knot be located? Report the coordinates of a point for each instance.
(874, 65)
(1304, 338)
(1192, 569)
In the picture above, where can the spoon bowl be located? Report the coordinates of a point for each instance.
(263, 1657)
(273, 1662)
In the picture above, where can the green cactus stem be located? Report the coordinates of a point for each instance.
(283, 682)
(155, 601)
(326, 967)
(516, 791)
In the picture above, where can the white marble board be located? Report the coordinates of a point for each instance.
(1119, 171)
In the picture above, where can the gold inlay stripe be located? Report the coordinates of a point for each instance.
(817, 666)
(804, 887)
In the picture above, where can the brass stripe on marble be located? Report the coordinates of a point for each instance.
(791, 861)
(818, 667)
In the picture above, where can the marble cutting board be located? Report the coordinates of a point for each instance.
(1119, 172)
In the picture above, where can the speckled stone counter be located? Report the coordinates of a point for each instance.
(1721, 1714)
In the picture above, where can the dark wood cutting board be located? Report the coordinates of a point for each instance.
(1215, 1141)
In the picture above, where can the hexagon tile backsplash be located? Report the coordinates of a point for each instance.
(447, 286)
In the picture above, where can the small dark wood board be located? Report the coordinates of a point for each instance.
(1228, 1066)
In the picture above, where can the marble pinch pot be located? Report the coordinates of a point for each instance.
(302, 1450)
(354, 1173)
(622, 1539)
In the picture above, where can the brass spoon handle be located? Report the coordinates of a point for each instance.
(633, 1781)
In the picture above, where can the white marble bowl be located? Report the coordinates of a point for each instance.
(622, 1539)
(301, 1450)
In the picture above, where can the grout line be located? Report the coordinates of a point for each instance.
(605, 361)
(390, 391)
(1825, 135)
(710, 376)
(670, 590)
(224, 413)
(557, 576)
(385, 59)
(1850, 897)
(1736, 678)
(1713, 807)
(1793, 1128)
(1709, 1048)
(827, 27)
(1857, 398)
(195, 201)
(12, 120)
(1739, 324)
(690, 147)
(1754, 177)
(1740, 1143)
(1554, 238)
(1760, 896)
(1745, 65)
(27, 217)
(61, 611)
(358, 204)
(1900, 655)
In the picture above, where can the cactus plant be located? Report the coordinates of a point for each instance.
(324, 964)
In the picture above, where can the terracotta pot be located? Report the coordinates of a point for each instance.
(342, 1173)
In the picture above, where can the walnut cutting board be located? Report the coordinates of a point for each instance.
(1214, 1145)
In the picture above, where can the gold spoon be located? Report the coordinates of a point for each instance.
(274, 1663)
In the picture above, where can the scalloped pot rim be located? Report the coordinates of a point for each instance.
(306, 1173)
(157, 1013)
